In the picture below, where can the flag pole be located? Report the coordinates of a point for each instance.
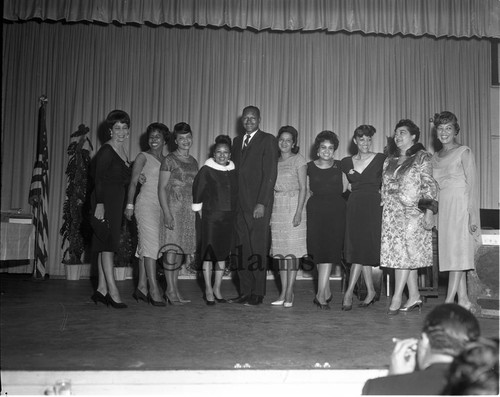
(38, 195)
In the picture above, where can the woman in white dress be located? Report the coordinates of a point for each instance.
(147, 211)
(459, 230)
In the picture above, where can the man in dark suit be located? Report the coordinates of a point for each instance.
(420, 366)
(255, 156)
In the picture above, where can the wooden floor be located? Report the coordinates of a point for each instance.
(53, 325)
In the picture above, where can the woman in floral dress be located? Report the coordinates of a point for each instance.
(409, 195)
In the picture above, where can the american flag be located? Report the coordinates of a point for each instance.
(38, 196)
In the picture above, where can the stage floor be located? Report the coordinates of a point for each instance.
(53, 325)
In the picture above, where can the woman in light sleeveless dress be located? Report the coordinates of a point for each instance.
(459, 229)
(147, 212)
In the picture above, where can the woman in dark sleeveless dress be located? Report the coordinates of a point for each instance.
(325, 213)
(364, 213)
(111, 177)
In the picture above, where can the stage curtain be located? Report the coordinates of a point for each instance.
(450, 18)
(313, 81)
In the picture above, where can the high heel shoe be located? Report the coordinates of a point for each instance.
(155, 303)
(279, 302)
(220, 300)
(329, 299)
(288, 304)
(209, 302)
(391, 312)
(346, 308)
(138, 294)
(116, 305)
(418, 304)
(363, 304)
(98, 297)
(321, 305)
(171, 301)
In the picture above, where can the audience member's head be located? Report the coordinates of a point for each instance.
(475, 369)
(446, 331)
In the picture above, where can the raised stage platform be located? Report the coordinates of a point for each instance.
(51, 330)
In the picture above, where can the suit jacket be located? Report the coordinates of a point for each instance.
(430, 381)
(257, 169)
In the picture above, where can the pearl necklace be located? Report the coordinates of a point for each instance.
(182, 155)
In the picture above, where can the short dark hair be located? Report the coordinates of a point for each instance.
(325, 136)
(446, 117)
(252, 108)
(449, 328)
(117, 116)
(294, 133)
(364, 130)
(412, 128)
(160, 127)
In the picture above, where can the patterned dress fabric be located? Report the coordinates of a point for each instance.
(325, 214)
(179, 200)
(111, 177)
(148, 211)
(458, 201)
(364, 213)
(405, 242)
(288, 240)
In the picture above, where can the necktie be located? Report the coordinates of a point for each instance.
(247, 139)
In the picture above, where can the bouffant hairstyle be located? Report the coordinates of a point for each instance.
(324, 136)
(449, 328)
(252, 108)
(364, 130)
(295, 136)
(117, 116)
(160, 127)
(412, 128)
(181, 129)
(446, 117)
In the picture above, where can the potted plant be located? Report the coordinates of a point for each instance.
(125, 258)
(76, 231)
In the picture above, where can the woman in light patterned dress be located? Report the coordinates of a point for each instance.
(288, 219)
(175, 184)
(147, 212)
(458, 218)
(409, 195)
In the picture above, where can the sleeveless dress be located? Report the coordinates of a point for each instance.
(364, 213)
(405, 243)
(111, 178)
(180, 199)
(325, 214)
(288, 240)
(148, 211)
(458, 200)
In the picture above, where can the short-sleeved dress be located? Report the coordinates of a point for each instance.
(148, 211)
(455, 174)
(364, 213)
(179, 199)
(325, 214)
(287, 240)
(111, 177)
(405, 242)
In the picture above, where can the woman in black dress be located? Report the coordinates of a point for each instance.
(364, 213)
(111, 177)
(325, 213)
(214, 198)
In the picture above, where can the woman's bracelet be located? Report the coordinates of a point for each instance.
(129, 207)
